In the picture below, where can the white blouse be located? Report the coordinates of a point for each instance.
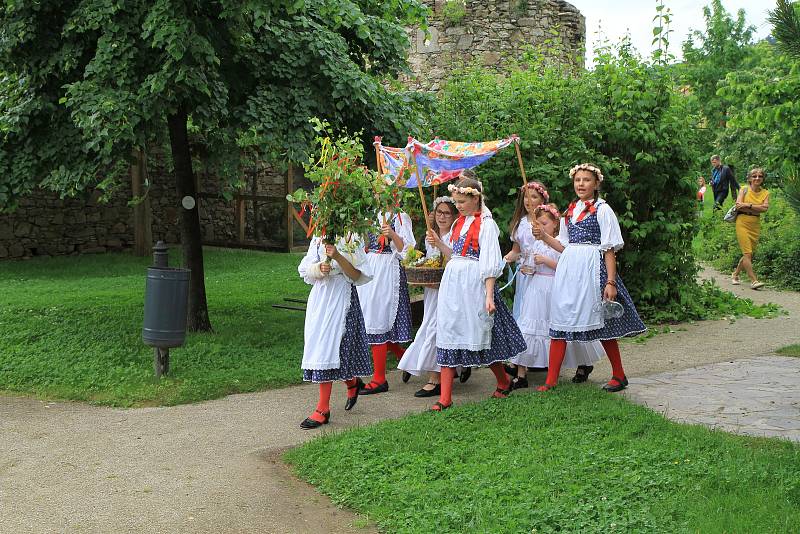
(610, 233)
(403, 228)
(491, 260)
(354, 253)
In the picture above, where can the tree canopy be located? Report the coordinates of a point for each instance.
(87, 81)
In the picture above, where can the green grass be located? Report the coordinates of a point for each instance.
(72, 329)
(791, 350)
(577, 460)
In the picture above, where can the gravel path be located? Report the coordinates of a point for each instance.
(215, 466)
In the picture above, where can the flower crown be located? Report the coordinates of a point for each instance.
(439, 200)
(586, 167)
(539, 188)
(549, 208)
(463, 190)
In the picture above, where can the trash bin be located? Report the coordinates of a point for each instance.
(165, 305)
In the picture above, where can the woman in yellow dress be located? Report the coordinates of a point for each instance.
(751, 202)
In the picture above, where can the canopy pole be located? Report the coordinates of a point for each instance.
(421, 193)
(380, 169)
(519, 160)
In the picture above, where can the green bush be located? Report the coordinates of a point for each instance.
(627, 117)
(777, 258)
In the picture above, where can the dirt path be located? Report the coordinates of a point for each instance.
(214, 466)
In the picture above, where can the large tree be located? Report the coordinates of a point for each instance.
(724, 46)
(88, 81)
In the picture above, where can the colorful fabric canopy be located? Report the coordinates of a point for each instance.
(438, 161)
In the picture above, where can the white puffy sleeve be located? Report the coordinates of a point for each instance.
(563, 234)
(610, 233)
(403, 228)
(354, 253)
(309, 266)
(491, 260)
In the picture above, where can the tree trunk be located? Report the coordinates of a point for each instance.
(191, 241)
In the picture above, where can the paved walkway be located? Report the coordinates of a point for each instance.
(214, 466)
(754, 396)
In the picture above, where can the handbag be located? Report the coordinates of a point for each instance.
(731, 215)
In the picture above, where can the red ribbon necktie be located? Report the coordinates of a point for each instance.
(471, 239)
(590, 207)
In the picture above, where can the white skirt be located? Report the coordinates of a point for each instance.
(532, 303)
(379, 297)
(420, 356)
(462, 297)
(574, 308)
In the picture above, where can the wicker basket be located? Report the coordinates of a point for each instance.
(424, 276)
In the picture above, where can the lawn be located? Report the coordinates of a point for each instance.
(791, 350)
(576, 460)
(71, 329)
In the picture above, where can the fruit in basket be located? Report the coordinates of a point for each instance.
(412, 257)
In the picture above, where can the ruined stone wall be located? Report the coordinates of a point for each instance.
(489, 33)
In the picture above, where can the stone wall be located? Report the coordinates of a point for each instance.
(491, 32)
(45, 225)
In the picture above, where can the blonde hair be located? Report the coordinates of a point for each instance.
(754, 170)
(551, 210)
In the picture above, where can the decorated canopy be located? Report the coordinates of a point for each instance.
(438, 161)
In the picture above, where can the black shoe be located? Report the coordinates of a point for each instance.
(519, 382)
(582, 373)
(309, 423)
(429, 392)
(372, 388)
(511, 371)
(351, 401)
(621, 383)
(406, 376)
(466, 372)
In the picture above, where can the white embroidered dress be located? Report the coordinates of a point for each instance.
(379, 299)
(532, 300)
(329, 301)
(420, 356)
(462, 301)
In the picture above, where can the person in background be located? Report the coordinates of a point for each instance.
(721, 180)
(752, 201)
(701, 193)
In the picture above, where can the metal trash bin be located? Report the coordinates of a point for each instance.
(166, 301)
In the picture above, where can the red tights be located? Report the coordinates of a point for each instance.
(558, 348)
(324, 403)
(379, 361)
(449, 374)
(395, 349)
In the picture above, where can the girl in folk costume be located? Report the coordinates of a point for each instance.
(421, 354)
(586, 277)
(473, 325)
(534, 292)
(385, 301)
(336, 346)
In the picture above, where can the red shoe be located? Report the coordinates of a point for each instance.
(545, 387)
